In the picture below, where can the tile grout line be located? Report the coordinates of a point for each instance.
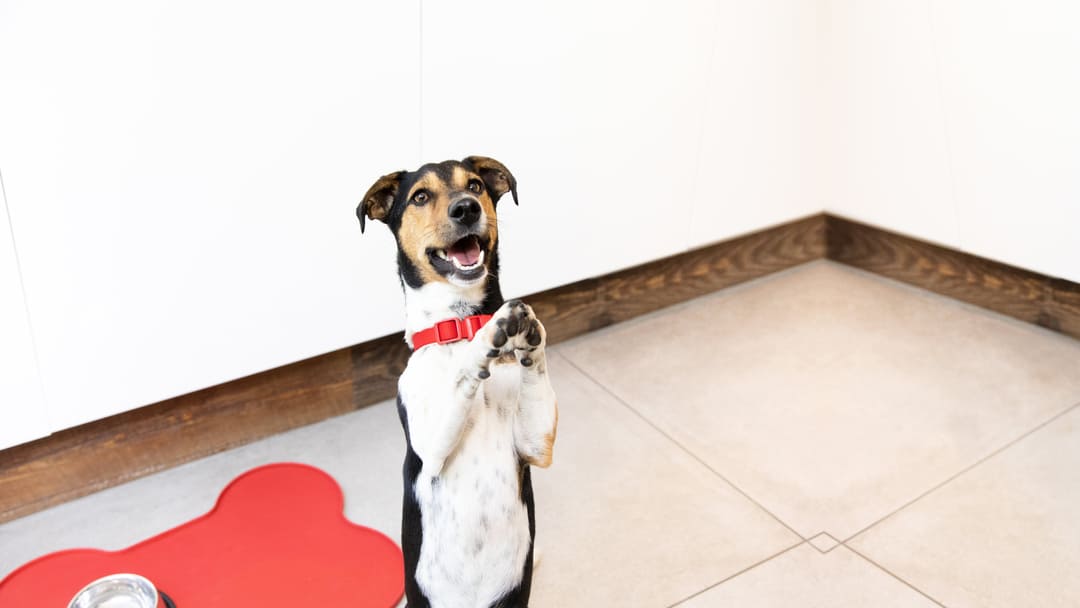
(831, 537)
(678, 444)
(887, 571)
(796, 545)
(956, 475)
(739, 573)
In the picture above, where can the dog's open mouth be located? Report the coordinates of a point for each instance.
(463, 260)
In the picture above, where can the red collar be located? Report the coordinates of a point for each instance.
(450, 330)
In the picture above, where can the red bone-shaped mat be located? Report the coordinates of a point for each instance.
(277, 537)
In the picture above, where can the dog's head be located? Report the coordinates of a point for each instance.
(443, 217)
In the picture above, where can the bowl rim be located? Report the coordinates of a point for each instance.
(137, 580)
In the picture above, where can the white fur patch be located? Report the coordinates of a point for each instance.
(435, 302)
(476, 529)
(471, 434)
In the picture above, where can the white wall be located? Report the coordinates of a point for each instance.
(761, 138)
(598, 121)
(1011, 83)
(889, 162)
(635, 133)
(22, 411)
(956, 122)
(181, 178)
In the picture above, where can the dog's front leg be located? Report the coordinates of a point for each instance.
(517, 330)
(440, 389)
(538, 411)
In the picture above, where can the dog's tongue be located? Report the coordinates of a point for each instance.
(466, 251)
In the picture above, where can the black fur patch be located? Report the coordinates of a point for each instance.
(412, 531)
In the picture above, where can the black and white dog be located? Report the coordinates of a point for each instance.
(474, 399)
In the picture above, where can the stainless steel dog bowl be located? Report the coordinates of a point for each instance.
(117, 591)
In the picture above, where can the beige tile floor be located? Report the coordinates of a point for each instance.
(821, 437)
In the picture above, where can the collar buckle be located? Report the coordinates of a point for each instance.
(448, 331)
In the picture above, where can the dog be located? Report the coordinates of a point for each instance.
(475, 400)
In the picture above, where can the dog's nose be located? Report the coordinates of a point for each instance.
(466, 211)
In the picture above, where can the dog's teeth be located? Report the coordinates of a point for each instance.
(457, 264)
(460, 266)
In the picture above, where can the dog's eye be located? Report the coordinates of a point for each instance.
(420, 197)
(476, 186)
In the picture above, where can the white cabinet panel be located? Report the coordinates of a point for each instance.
(1012, 89)
(596, 108)
(891, 155)
(22, 409)
(762, 144)
(182, 178)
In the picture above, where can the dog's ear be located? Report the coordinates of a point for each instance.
(379, 197)
(496, 176)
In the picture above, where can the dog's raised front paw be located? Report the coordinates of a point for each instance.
(516, 330)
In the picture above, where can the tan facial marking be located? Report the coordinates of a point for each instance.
(459, 178)
(421, 225)
(428, 226)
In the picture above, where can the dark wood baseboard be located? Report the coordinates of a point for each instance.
(104, 453)
(88, 458)
(1025, 295)
(588, 305)
(1063, 309)
(107, 452)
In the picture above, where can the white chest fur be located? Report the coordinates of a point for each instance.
(475, 526)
